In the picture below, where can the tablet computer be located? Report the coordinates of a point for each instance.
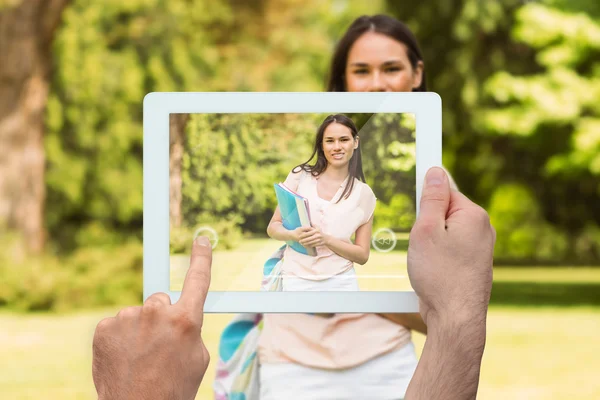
(346, 168)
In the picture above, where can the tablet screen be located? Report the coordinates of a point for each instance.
(294, 201)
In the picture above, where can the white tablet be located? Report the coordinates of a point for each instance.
(213, 163)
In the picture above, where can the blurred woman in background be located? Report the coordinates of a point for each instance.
(335, 356)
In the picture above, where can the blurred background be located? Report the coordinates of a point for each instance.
(520, 84)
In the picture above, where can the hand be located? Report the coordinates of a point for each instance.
(313, 238)
(450, 254)
(298, 232)
(155, 351)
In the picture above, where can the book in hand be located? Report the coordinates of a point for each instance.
(294, 214)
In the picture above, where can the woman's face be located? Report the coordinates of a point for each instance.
(378, 63)
(338, 144)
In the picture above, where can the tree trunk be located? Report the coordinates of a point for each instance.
(177, 123)
(26, 33)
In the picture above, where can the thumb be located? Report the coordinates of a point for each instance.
(435, 198)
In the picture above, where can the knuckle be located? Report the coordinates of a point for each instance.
(480, 215)
(433, 196)
(422, 229)
(184, 322)
(159, 297)
(103, 326)
(151, 306)
(126, 313)
(102, 332)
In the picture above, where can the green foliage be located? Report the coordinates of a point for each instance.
(587, 243)
(95, 279)
(388, 153)
(519, 83)
(522, 233)
(232, 161)
(91, 276)
(228, 231)
(108, 55)
(180, 240)
(555, 114)
(399, 215)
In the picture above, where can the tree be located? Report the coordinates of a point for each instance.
(112, 53)
(518, 82)
(551, 119)
(177, 125)
(27, 30)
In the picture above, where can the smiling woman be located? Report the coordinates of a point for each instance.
(342, 205)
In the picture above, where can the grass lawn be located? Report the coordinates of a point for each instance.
(241, 269)
(542, 341)
(548, 353)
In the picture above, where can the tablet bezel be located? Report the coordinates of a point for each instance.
(427, 108)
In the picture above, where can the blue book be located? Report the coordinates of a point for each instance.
(294, 214)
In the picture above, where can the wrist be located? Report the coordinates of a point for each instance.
(452, 315)
(460, 325)
(289, 236)
(450, 363)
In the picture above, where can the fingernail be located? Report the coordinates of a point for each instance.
(202, 241)
(435, 176)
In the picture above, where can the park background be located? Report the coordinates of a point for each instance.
(520, 83)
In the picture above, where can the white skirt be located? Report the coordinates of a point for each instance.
(341, 282)
(383, 378)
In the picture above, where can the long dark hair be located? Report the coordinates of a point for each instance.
(383, 24)
(354, 168)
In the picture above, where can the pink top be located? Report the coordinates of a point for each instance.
(339, 342)
(340, 220)
(342, 340)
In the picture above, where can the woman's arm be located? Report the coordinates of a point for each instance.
(357, 252)
(412, 321)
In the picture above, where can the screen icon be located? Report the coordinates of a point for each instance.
(384, 240)
(210, 233)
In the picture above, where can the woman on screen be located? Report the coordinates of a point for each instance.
(341, 205)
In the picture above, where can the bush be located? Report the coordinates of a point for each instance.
(31, 285)
(228, 231)
(587, 244)
(93, 276)
(522, 233)
(398, 215)
(103, 276)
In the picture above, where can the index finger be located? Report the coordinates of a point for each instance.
(197, 279)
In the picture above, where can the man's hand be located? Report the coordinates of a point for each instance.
(450, 257)
(155, 351)
(450, 253)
